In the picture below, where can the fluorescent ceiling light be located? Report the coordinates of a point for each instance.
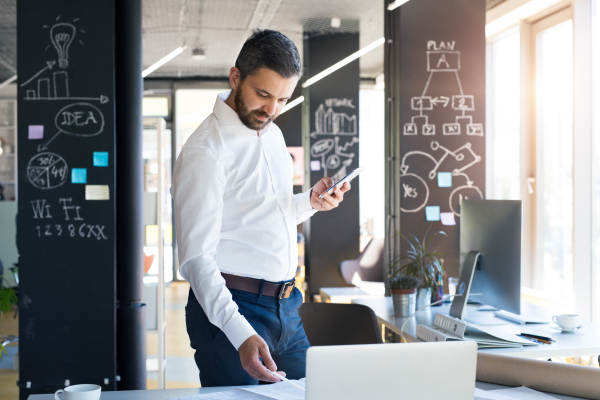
(396, 4)
(8, 81)
(345, 61)
(292, 104)
(513, 17)
(163, 61)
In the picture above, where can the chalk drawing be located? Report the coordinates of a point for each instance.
(77, 119)
(442, 59)
(47, 171)
(62, 35)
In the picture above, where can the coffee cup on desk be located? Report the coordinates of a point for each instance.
(566, 321)
(79, 392)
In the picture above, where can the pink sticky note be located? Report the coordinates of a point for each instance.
(315, 165)
(447, 218)
(36, 131)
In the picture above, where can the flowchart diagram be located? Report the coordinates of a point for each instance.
(415, 190)
(445, 61)
(334, 153)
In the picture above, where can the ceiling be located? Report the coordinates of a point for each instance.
(219, 27)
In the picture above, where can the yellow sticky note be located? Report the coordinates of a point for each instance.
(97, 192)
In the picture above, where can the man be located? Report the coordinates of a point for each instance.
(236, 218)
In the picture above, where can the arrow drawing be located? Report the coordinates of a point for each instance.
(339, 150)
(102, 99)
(49, 65)
(42, 147)
(441, 99)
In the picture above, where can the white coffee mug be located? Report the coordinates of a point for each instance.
(79, 392)
(566, 321)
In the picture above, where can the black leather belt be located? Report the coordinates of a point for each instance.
(251, 285)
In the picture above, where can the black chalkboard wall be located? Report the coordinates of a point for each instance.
(442, 116)
(332, 148)
(66, 220)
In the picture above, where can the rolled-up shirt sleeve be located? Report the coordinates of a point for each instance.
(197, 191)
(303, 208)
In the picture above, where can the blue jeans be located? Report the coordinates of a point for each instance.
(276, 321)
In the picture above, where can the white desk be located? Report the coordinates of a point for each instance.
(166, 394)
(369, 290)
(584, 342)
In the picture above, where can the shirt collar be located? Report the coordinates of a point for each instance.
(228, 117)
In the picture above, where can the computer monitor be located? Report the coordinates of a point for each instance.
(491, 228)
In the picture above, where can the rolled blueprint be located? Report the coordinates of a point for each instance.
(545, 376)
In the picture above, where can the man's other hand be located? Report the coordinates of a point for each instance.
(328, 201)
(250, 353)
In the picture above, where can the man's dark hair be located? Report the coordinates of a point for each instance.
(269, 49)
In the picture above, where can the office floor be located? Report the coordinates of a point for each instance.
(9, 377)
(181, 368)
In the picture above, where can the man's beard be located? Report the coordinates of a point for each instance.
(248, 117)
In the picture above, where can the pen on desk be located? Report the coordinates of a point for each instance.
(532, 339)
(538, 337)
(538, 341)
(283, 378)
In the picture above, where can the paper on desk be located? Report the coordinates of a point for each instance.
(227, 395)
(523, 393)
(278, 391)
(485, 395)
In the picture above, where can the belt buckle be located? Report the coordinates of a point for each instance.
(284, 286)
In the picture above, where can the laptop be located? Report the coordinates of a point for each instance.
(407, 371)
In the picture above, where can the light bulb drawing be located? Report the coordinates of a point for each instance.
(62, 35)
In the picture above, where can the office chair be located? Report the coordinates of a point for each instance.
(329, 324)
(369, 265)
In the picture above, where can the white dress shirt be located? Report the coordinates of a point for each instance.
(235, 212)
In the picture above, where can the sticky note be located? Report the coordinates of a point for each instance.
(447, 218)
(445, 179)
(315, 165)
(97, 192)
(432, 213)
(36, 132)
(101, 159)
(79, 175)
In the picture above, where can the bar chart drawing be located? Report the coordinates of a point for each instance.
(328, 122)
(58, 90)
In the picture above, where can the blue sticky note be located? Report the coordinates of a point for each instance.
(432, 213)
(100, 159)
(445, 179)
(79, 175)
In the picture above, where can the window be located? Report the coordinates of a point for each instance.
(554, 155)
(192, 107)
(504, 140)
(371, 147)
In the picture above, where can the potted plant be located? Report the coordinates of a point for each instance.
(421, 262)
(404, 294)
(8, 298)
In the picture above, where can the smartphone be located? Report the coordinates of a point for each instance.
(341, 182)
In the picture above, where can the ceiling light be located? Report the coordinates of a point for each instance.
(345, 61)
(8, 81)
(291, 104)
(198, 54)
(396, 4)
(163, 61)
(336, 22)
(513, 17)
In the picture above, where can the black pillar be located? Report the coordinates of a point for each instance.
(66, 218)
(131, 330)
(330, 137)
(435, 119)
